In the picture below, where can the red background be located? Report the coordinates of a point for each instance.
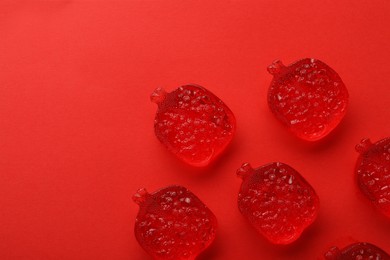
(76, 123)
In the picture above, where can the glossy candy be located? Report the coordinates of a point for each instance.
(193, 123)
(373, 172)
(277, 201)
(308, 97)
(172, 223)
(357, 251)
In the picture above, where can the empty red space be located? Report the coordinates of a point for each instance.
(76, 122)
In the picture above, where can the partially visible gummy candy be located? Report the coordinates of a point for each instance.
(192, 123)
(357, 251)
(172, 223)
(308, 97)
(373, 172)
(277, 201)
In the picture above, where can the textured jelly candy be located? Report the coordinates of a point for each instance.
(373, 172)
(308, 97)
(193, 123)
(172, 223)
(277, 201)
(357, 251)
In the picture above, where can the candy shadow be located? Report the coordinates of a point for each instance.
(381, 220)
(206, 172)
(305, 241)
(339, 133)
(333, 138)
(212, 251)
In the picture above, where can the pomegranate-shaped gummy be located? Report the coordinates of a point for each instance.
(277, 201)
(308, 97)
(193, 123)
(373, 172)
(357, 251)
(172, 223)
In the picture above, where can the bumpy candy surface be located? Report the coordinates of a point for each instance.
(277, 201)
(373, 172)
(357, 251)
(172, 223)
(193, 123)
(308, 97)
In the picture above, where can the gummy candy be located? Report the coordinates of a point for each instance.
(308, 97)
(172, 223)
(373, 172)
(357, 251)
(277, 201)
(193, 123)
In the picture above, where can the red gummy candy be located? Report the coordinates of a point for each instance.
(172, 223)
(357, 251)
(308, 97)
(193, 123)
(277, 201)
(373, 172)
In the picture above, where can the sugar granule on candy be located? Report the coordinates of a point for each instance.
(307, 97)
(373, 172)
(193, 124)
(357, 251)
(172, 223)
(277, 201)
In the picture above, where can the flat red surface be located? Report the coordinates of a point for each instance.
(76, 123)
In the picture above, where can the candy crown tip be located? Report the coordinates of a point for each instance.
(158, 95)
(275, 67)
(244, 170)
(363, 146)
(140, 196)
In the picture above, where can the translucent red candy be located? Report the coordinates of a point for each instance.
(172, 223)
(357, 251)
(308, 97)
(193, 123)
(277, 201)
(373, 172)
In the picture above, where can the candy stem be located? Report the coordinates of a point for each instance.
(363, 145)
(275, 67)
(244, 170)
(158, 95)
(140, 196)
